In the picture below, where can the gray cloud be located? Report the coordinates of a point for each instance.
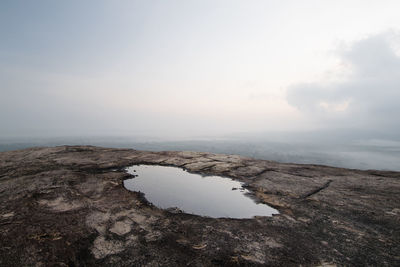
(368, 98)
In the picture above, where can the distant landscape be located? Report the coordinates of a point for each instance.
(347, 152)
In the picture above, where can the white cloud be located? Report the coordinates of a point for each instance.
(368, 98)
(335, 107)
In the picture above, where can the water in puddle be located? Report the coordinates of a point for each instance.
(213, 196)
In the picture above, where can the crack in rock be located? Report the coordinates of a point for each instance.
(319, 189)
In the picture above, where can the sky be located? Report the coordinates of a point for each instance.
(183, 69)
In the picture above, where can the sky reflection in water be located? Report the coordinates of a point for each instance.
(211, 196)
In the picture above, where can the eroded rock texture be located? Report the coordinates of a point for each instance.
(67, 206)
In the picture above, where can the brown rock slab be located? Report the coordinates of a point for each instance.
(66, 206)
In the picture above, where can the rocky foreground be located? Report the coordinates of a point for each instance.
(66, 206)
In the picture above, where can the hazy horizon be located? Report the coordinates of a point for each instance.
(184, 69)
(348, 151)
(310, 72)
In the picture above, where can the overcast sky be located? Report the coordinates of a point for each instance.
(194, 68)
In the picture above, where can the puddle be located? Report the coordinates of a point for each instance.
(212, 196)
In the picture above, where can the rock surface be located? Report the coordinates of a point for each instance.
(66, 206)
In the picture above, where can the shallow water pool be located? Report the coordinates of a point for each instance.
(212, 196)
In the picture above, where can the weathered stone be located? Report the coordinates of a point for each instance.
(121, 227)
(67, 206)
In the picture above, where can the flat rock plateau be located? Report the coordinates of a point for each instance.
(67, 206)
